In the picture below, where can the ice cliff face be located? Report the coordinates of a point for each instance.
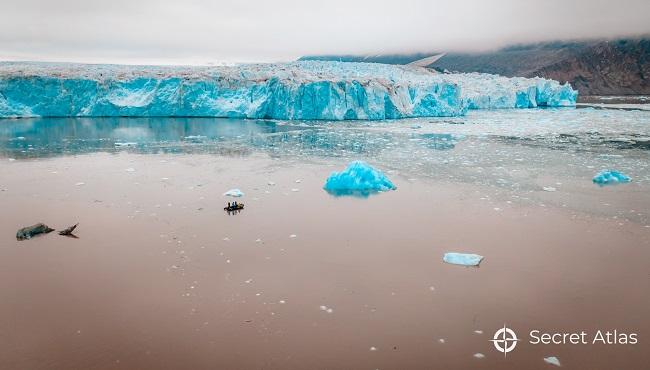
(299, 90)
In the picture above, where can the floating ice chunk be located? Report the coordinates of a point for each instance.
(610, 177)
(549, 188)
(552, 360)
(441, 340)
(80, 184)
(293, 236)
(234, 193)
(479, 355)
(359, 178)
(128, 144)
(373, 349)
(478, 331)
(462, 259)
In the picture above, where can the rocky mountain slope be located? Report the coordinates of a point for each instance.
(597, 67)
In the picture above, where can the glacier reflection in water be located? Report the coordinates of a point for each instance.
(505, 149)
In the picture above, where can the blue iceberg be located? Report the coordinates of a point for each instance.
(305, 90)
(610, 177)
(359, 178)
(463, 259)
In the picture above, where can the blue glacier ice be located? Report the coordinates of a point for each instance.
(610, 177)
(359, 178)
(464, 259)
(307, 90)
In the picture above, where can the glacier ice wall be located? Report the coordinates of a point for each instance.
(300, 90)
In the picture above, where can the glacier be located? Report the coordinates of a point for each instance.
(305, 90)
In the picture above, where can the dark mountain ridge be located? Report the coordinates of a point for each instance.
(594, 67)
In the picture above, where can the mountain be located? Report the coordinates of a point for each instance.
(595, 67)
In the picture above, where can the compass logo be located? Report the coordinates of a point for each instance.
(504, 340)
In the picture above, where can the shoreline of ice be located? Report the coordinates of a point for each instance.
(308, 90)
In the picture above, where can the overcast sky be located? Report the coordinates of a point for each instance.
(202, 31)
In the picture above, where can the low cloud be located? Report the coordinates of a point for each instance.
(202, 32)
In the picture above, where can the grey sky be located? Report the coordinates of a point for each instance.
(202, 31)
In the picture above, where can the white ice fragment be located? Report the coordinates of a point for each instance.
(478, 331)
(479, 355)
(323, 308)
(372, 349)
(298, 181)
(234, 193)
(80, 184)
(295, 190)
(549, 188)
(552, 360)
(441, 340)
(293, 236)
(282, 301)
(464, 259)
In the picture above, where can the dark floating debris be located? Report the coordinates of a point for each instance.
(30, 231)
(233, 207)
(68, 231)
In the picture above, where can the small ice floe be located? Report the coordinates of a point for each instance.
(479, 355)
(610, 177)
(127, 144)
(80, 184)
(298, 181)
(326, 309)
(478, 331)
(293, 236)
(295, 190)
(282, 301)
(549, 188)
(441, 340)
(552, 360)
(464, 259)
(194, 137)
(373, 349)
(234, 193)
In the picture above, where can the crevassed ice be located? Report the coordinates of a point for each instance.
(299, 90)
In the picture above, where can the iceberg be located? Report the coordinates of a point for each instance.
(552, 360)
(463, 259)
(304, 90)
(235, 193)
(359, 178)
(610, 177)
